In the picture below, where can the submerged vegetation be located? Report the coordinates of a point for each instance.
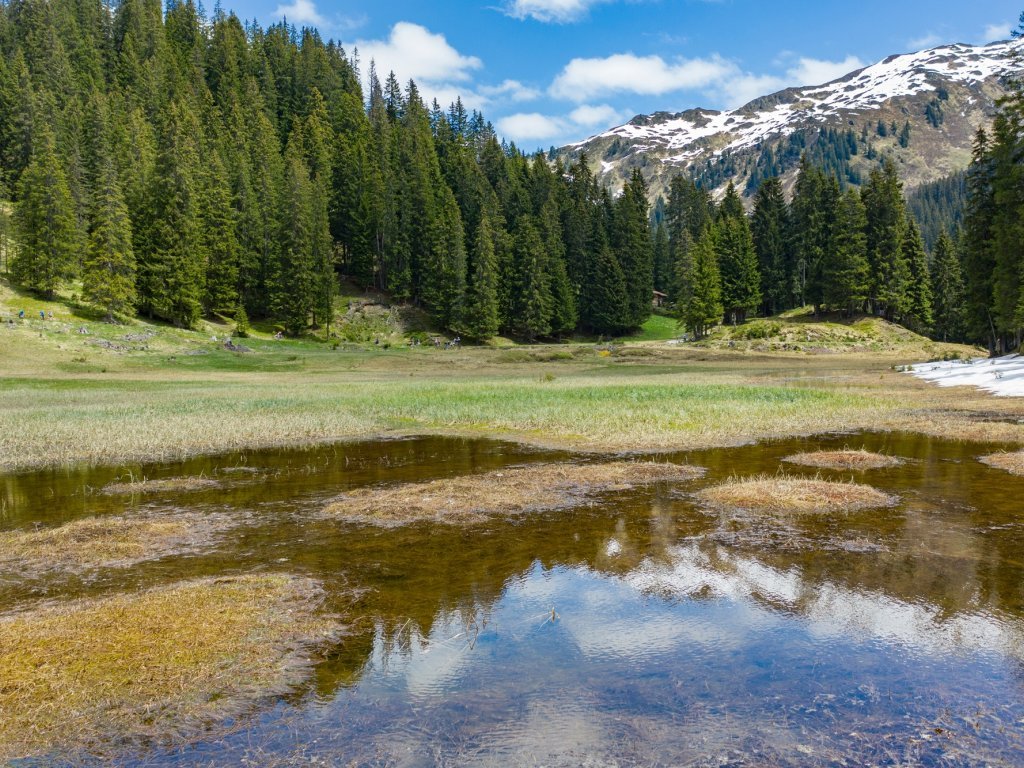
(796, 495)
(165, 485)
(107, 542)
(514, 491)
(160, 665)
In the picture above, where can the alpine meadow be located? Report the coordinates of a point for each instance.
(340, 425)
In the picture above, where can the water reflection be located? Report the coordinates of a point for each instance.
(639, 630)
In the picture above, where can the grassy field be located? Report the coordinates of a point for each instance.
(73, 389)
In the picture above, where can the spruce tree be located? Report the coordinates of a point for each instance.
(632, 245)
(948, 283)
(890, 273)
(532, 294)
(737, 259)
(293, 281)
(919, 289)
(479, 316)
(49, 239)
(847, 272)
(770, 228)
(108, 275)
(701, 309)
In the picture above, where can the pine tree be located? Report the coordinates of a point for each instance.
(108, 275)
(847, 270)
(947, 279)
(769, 228)
(737, 259)
(919, 289)
(479, 316)
(532, 295)
(890, 273)
(293, 282)
(632, 246)
(49, 239)
(702, 307)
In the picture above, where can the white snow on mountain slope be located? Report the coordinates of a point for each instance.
(864, 89)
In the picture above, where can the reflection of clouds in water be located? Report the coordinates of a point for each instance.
(832, 611)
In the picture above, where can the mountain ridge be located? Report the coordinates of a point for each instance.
(935, 99)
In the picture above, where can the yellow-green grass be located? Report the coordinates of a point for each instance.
(473, 498)
(179, 393)
(794, 495)
(105, 542)
(1010, 462)
(858, 460)
(159, 666)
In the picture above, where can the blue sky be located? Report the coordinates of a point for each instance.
(548, 72)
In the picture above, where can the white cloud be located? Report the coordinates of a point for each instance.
(301, 12)
(560, 11)
(414, 52)
(536, 127)
(817, 72)
(584, 79)
(995, 32)
(929, 40)
(601, 115)
(532, 126)
(510, 89)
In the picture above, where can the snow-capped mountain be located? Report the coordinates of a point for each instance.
(921, 108)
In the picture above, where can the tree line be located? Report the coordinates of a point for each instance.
(183, 166)
(994, 226)
(849, 251)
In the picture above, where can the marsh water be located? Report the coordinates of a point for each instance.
(640, 629)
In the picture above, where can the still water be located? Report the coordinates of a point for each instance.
(639, 630)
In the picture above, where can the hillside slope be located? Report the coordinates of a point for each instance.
(849, 125)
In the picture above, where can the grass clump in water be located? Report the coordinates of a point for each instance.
(778, 493)
(474, 498)
(156, 667)
(1010, 462)
(166, 485)
(846, 459)
(106, 542)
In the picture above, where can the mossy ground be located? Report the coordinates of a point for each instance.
(163, 664)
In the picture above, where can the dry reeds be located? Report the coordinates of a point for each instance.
(1010, 462)
(106, 542)
(778, 493)
(166, 485)
(846, 459)
(152, 667)
(473, 498)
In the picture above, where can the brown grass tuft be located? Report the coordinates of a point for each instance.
(845, 459)
(152, 667)
(777, 493)
(167, 485)
(1011, 462)
(473, 498)
(106, 542)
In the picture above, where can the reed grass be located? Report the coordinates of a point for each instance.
(859, 460)
(156, 667)
(474, 498)
(1010, 462)
(794, 495)
(106, 542)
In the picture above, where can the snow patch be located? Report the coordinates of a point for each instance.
(1002, 376)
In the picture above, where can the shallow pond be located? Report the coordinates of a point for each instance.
(637, 630)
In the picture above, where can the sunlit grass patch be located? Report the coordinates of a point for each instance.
(778, 493)
(846, 459)
(106, 542)
(159, 666)
(1011, 462)
(473, 498)
(165, 485)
